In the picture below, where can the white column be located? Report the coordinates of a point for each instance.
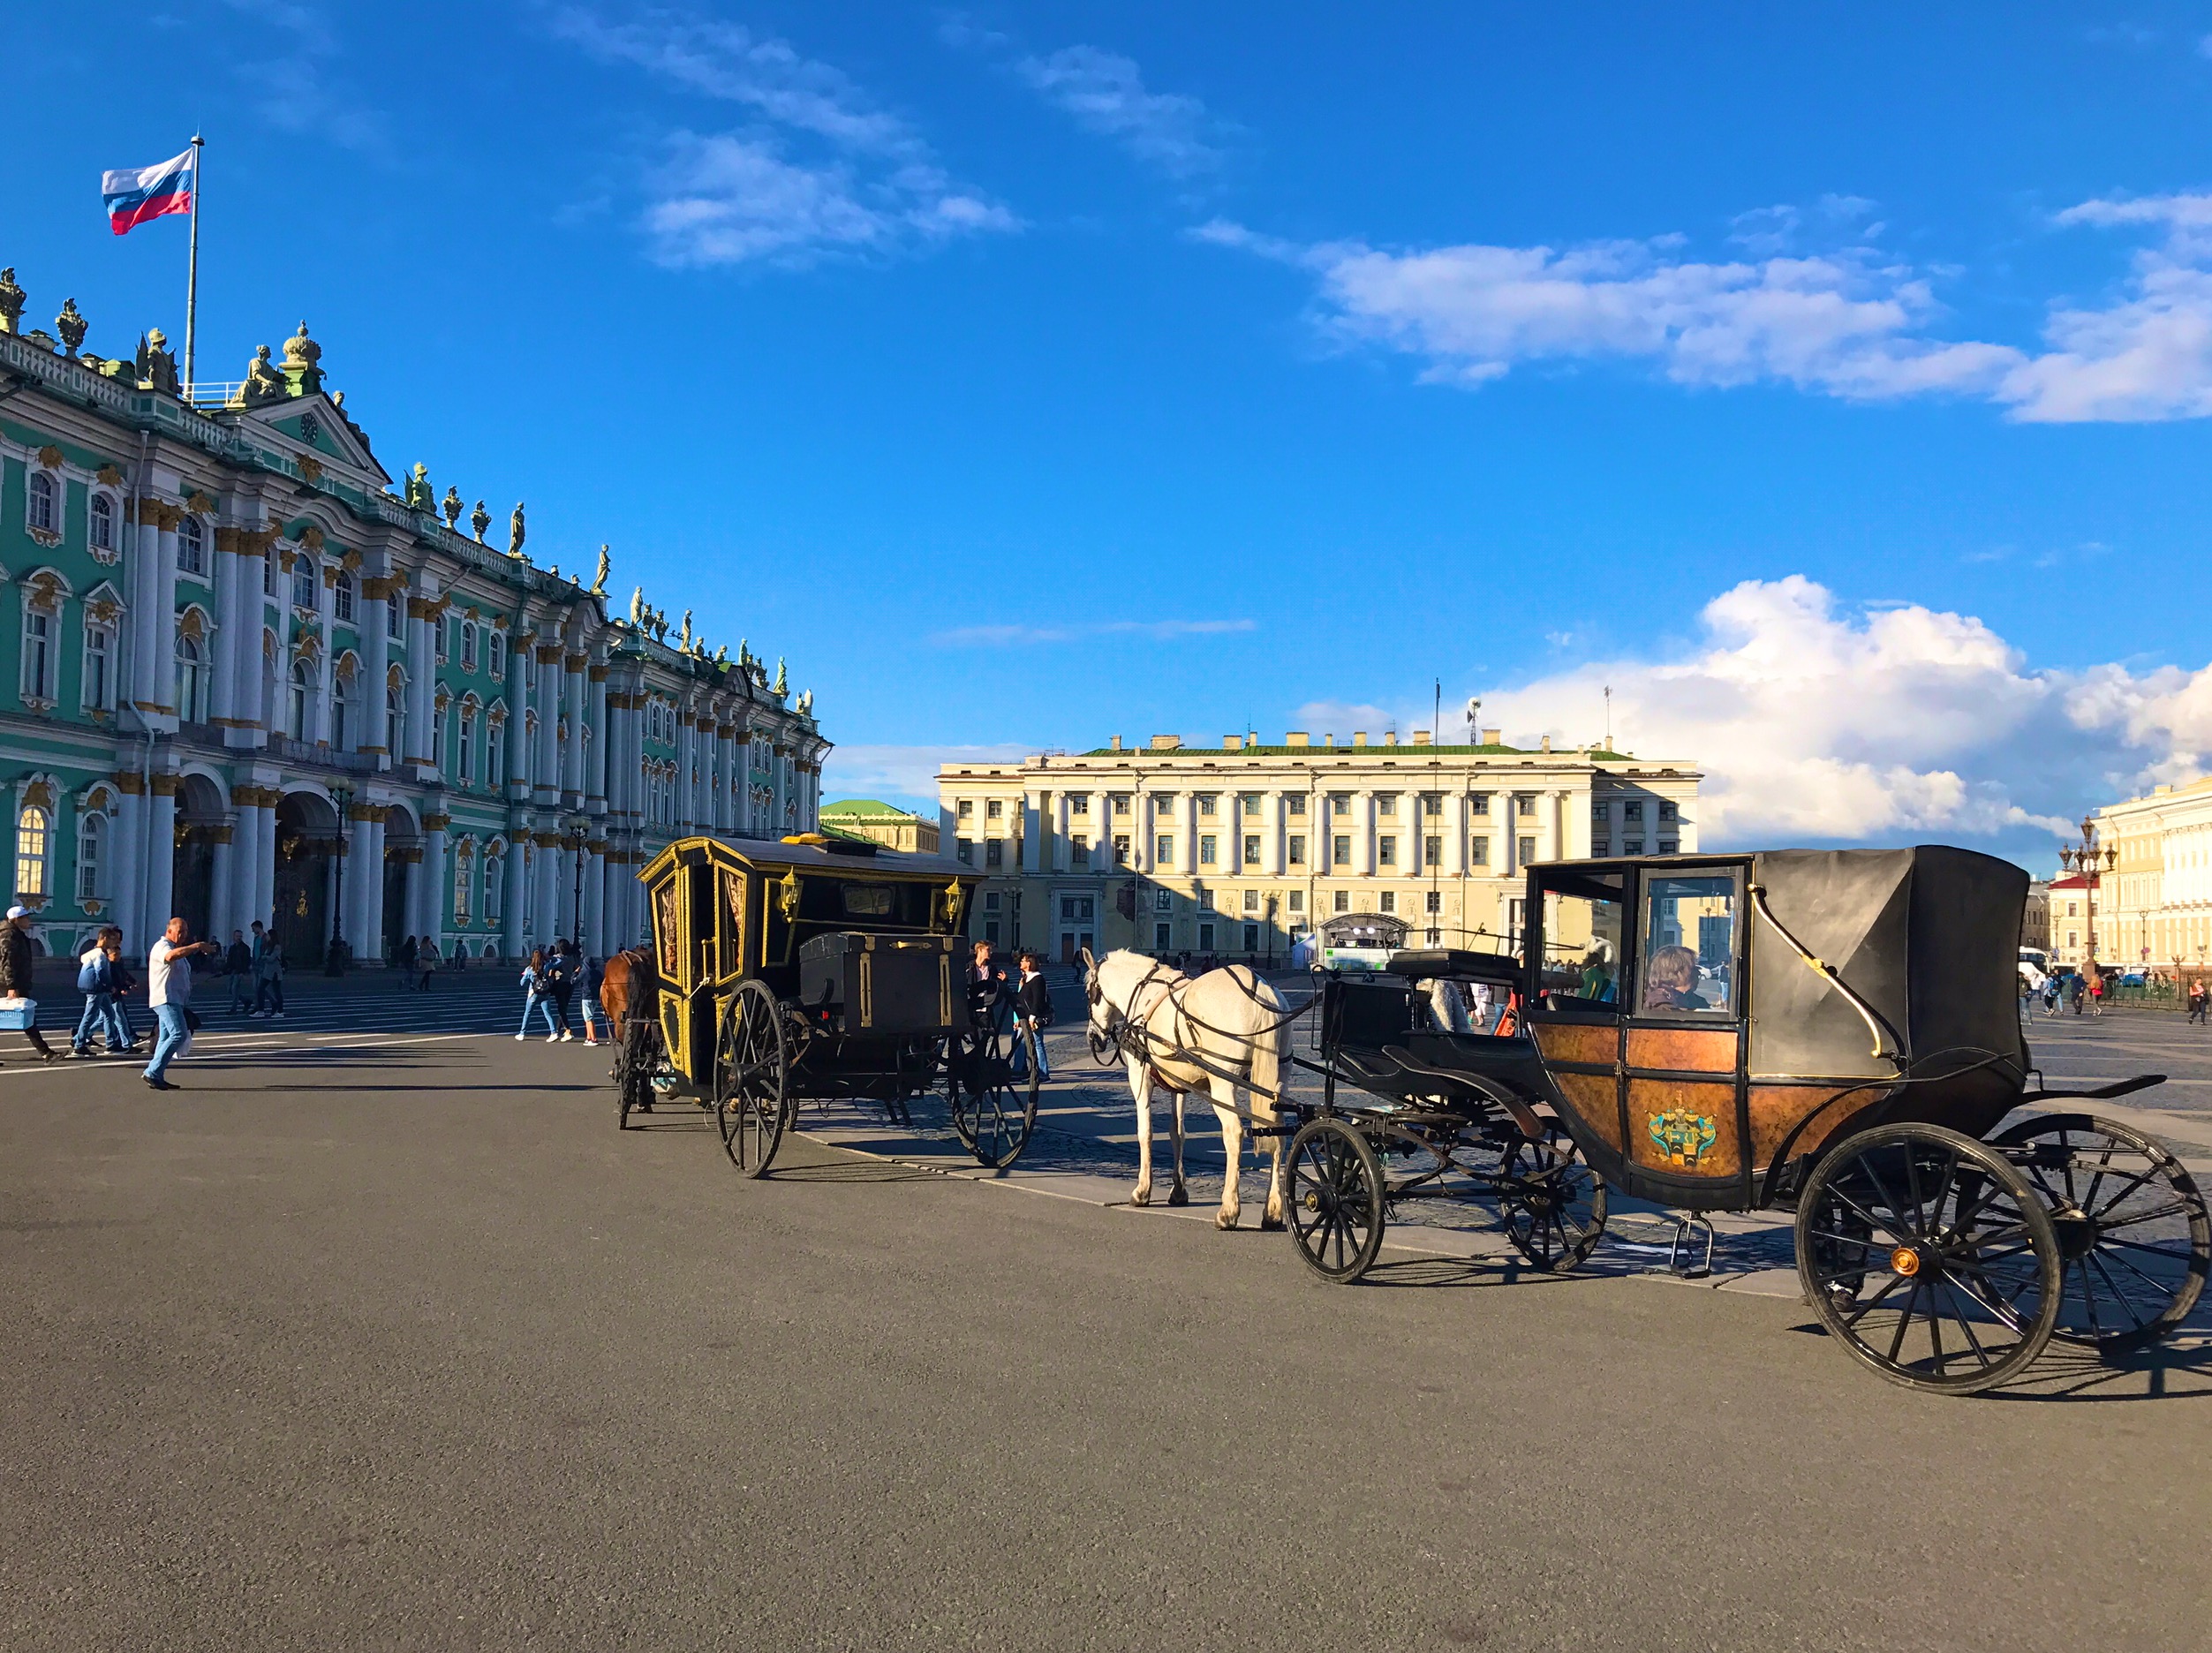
(686, 743)
(422, 677)
(222, 892)
(1456, 830)
(434, 874)
(572, 702)
(592, 926)
(264, 905)
(741, 770)
(1364, 829)
(1189, 835)
(371, 874)
(595, 780)
(245, 652)
(519, 752)
(545, 775)
(222, 685)
(327, 662)
(126, 869)
(1060, 832)
(144, 621)
(376, 660)
(544, 902)
(512, 911)
(1273, 830)
(160, 866)
(165, 617)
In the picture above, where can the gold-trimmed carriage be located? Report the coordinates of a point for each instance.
(811, 968)
(1837, 1032)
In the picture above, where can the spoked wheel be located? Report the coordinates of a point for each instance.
(1336, 1199)
(752, 1071)
(1552, 1205)
(1928, 1257)
(2131, 1226)
(993, 1112)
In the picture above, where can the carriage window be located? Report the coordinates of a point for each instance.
(867, 900)
(1689, 946)
(1581, 935)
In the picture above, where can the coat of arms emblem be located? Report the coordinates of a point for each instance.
(1683, 1137)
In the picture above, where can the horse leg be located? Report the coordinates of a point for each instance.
(1231, 1149)
(1273, 1218)
(1178, 1195)
(1141, 1088)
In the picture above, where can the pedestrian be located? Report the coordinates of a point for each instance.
(99, 973)
(16, 960)
(404, 960)
(1033, 1013)
(268, 976)
(536, 996)
(986, 989)
(425, 960)
(2096, 995)
(2050, 998)
(561, 974)
(168, 989)
(588, 982)
(2074, 993)
(1484, 998)
(122, 1036)
(238, 964)
(2197, 1000)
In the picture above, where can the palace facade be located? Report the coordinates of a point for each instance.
(254, 682)
(1243, 852)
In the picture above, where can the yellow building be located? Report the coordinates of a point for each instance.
(2156, 907)
(880, 823)
(1241, 850)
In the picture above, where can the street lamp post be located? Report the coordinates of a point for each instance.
(2090, 859)
(577, 839)
(333, 961)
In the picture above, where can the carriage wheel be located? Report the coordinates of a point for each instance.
(1336, 1199)
(2131, 1226)
(752, 1069)
(1928, 1257)
(993, 1112)
(1551, 1205)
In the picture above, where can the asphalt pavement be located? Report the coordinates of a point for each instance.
(392, 1341)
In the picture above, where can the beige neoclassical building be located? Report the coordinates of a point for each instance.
(2154, 907)
(1242, 849)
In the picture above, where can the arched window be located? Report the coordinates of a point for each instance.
(92, 839)
(468, 744)
(31, 846)
(394, 611)
(298, 695)
(468, 645)
(494, 884)
(192, 547)
(269, 574)
(191, 680)
(463, 880)
(101, 530)
(395, 715)
(303, 581)
(38, 510)
(437, 735)
(342, 597)
(342, 714)
(38, 654)
(494, 750)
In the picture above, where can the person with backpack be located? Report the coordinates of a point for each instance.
(536, 996)
(1033, 1013)
(99, 970)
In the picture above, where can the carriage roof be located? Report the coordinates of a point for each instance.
(812, 852)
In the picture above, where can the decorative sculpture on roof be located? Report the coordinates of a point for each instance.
(516, 532)
(782, 679)
(806, 703)
(418, 495)
(72, 326)
(637, 607)
(263, 383)
(721, 656)
(157, 368)
(303, 356)
(684, 642)
(599, 577)
(451, 506)
(13, 299)
(479, 519)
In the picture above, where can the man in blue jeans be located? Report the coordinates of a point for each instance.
(168, 990)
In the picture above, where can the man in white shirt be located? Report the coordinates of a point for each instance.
(169, 992)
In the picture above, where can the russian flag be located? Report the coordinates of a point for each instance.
(134, 194)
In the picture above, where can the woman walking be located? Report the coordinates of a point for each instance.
(100, 977)
(16, 958)
(561, 974)
(425, 960)
(537, 997)
(589, 980)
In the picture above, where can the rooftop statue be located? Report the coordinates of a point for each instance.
(303, 356)
(782, 678)
(420, 496)
(451, 506)
(516, 532)
(263, 383)
(157, 368)
(806, 703)
(72, 326)
(637, 607)
(479, 519)
(599, 578)
(685, 640)
(721, 656)
(13, 299)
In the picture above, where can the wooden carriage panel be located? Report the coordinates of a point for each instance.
(1777, 1110)
(1576, 1042)
(1684, 1128)
(1596, 1100)
(1683, 1049)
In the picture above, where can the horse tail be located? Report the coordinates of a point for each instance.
(1270, 1048)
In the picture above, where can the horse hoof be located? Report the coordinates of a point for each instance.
(1270, 1225)
(1226, 1222)
(1143, 1196)
(1178, 1196)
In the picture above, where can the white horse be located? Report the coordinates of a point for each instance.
(1223, 1031)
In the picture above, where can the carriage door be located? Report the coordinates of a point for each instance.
(1578, 935)
(669, 914)
(1683, 1112)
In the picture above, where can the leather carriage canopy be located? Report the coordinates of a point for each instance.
(1501, 969)
(1928, 937)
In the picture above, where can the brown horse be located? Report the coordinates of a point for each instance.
(629, 996)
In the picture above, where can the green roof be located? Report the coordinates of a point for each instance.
(862, 809)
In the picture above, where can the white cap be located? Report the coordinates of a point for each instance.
(18, 912)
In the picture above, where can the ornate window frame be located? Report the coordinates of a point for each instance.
(34, 875)
(192, 546)
(45, 602)
(108, 552)
(495, 852)
(45, 497)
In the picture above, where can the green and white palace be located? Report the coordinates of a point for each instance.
(253, 681)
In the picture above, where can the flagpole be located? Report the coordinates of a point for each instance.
(191, 277)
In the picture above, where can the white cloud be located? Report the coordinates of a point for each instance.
(822, 170)
(1849, 322)
(1815, 722)
(903, 774)
(1105, 94)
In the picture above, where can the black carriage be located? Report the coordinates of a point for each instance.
(1833, 1032)
(814, 969)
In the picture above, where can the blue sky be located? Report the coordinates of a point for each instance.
(1830, 381)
